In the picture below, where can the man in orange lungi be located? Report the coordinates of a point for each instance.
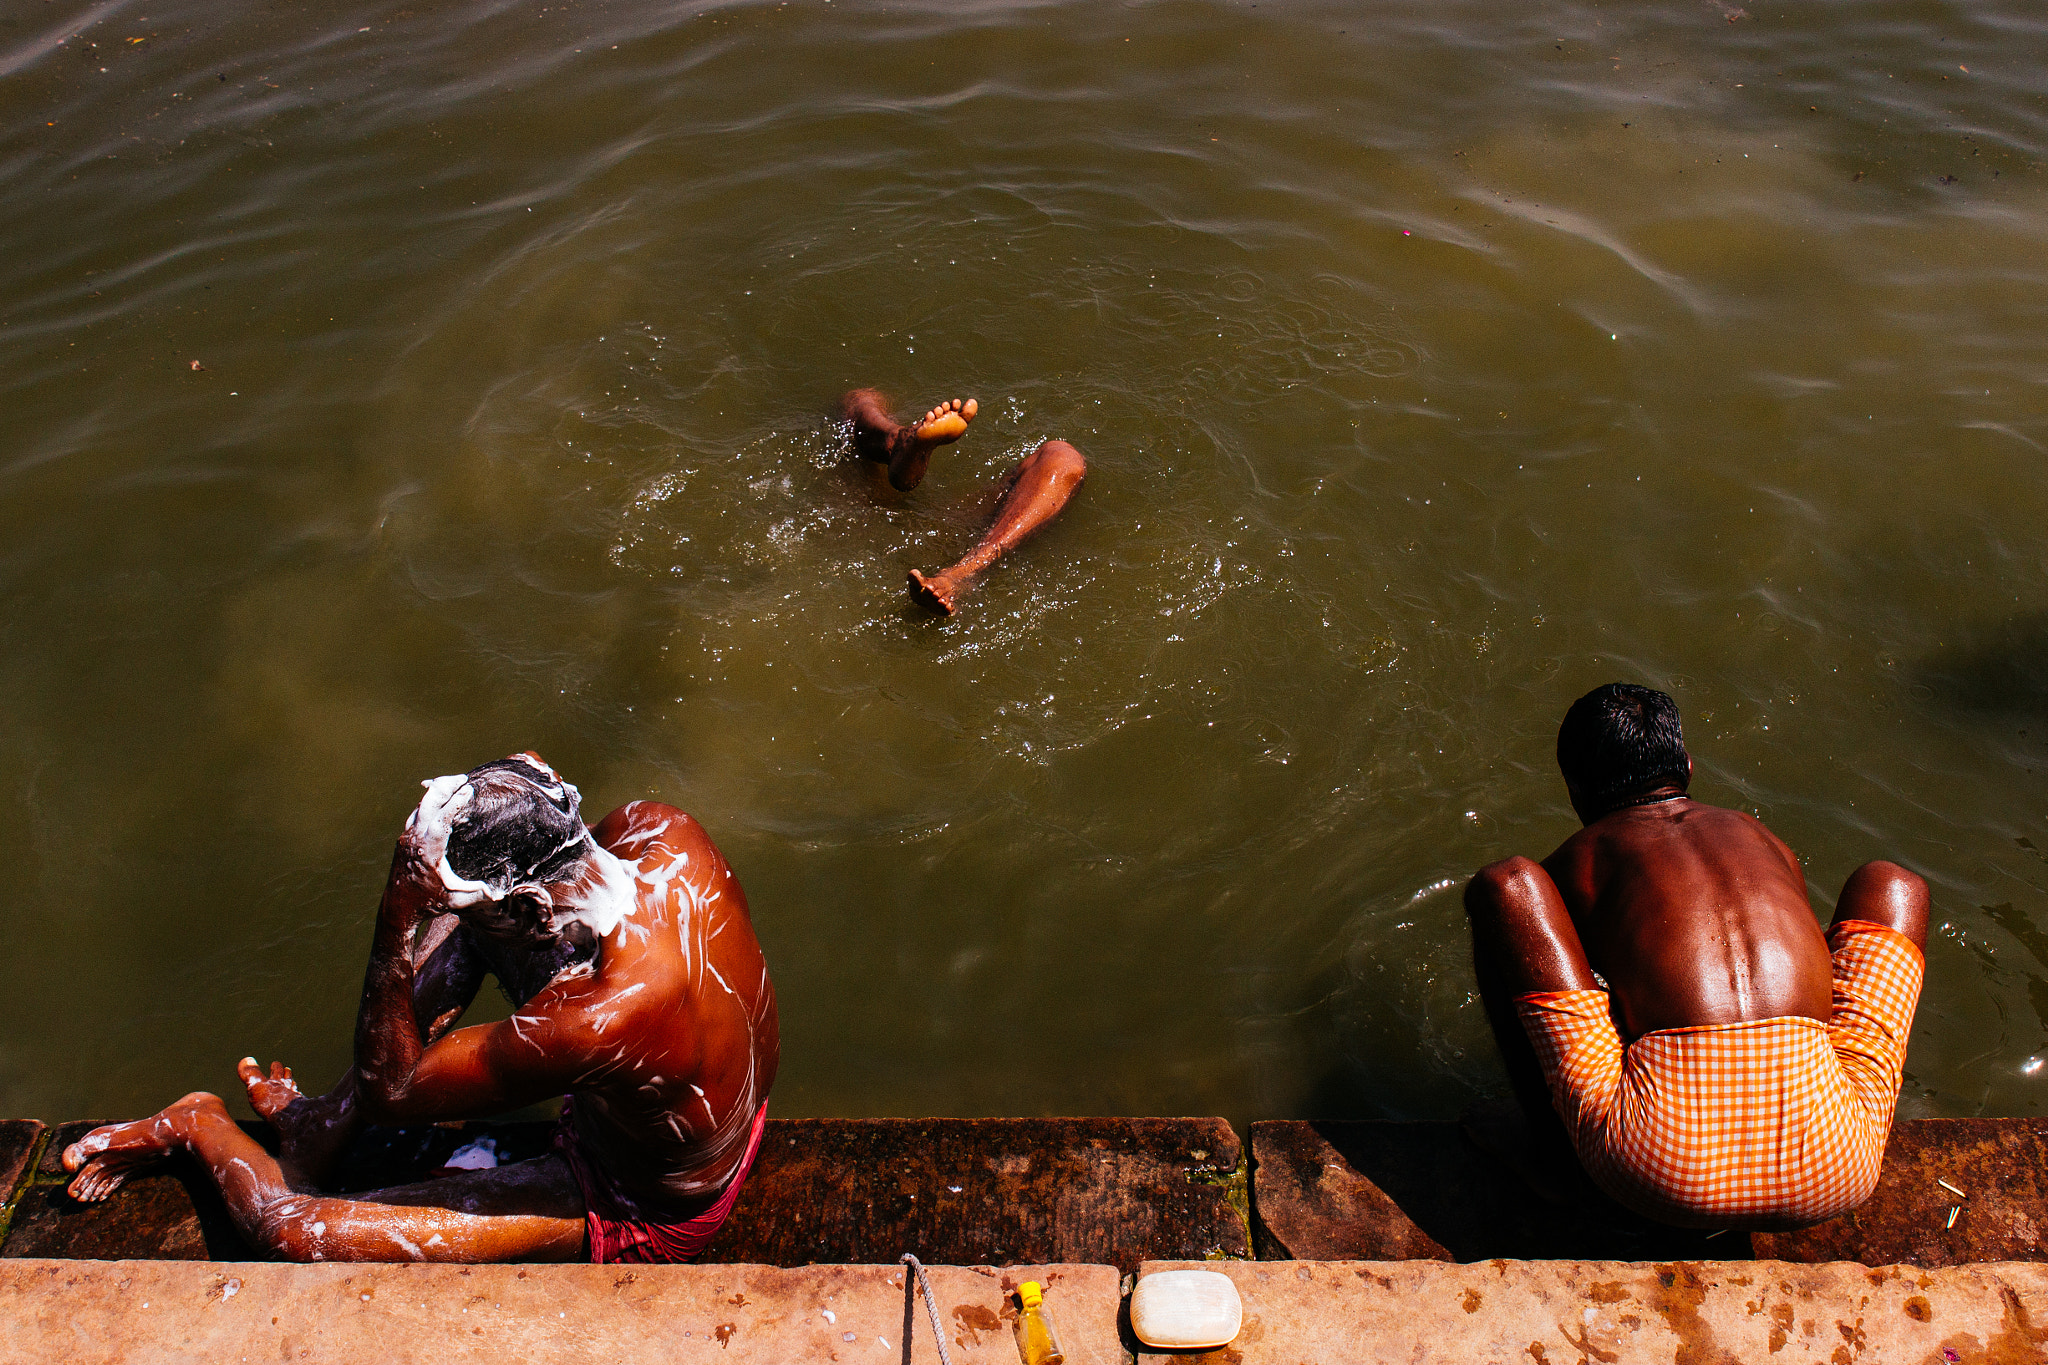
(1716, 1060)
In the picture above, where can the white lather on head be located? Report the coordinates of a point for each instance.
(599, 894)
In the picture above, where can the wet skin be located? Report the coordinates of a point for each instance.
(906, 449)
(1693, 914)
(1033, 494)
(667, 1039)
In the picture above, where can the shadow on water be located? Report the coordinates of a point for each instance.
(1996, 670)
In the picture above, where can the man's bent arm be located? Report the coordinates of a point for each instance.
(1520, 921)
(483, 1070)
(388, 1043)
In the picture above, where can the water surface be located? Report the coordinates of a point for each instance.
(1435, 362)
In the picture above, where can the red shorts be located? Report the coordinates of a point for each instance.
(617, 1229)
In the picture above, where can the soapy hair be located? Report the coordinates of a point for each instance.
(521, 826)
(1619, 741)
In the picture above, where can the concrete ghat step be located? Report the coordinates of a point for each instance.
(1396, 1191)
(953, 1191)
(1617, 1313)
(172, 1313)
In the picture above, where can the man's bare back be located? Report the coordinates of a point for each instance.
(676, 1028)
(1694, 915)
(1668, 949)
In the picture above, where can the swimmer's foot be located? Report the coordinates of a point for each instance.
(934, 592)
(945, 423)
(907, 448)
(106, 1157)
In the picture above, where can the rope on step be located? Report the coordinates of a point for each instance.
(931, 1306)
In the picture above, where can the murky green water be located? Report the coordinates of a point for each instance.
(1435, 362)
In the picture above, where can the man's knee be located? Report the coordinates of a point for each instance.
(1885, 893)
(1062, 458)
(291, 1229)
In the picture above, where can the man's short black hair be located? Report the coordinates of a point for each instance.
(519, 827)
(1620, 741)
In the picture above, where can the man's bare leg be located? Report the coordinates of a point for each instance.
(1038, 488)
(907, 449)
(531, 1211)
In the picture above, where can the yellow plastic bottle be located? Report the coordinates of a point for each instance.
(1036, 1340)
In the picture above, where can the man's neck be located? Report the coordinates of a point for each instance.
(1658, 796)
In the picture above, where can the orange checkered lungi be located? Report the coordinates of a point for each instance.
(1773, 1122)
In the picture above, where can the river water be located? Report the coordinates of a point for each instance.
(1434, 363)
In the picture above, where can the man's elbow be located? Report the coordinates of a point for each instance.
(379, 1102)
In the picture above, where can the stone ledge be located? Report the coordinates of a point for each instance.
(84, 1312)
(953, 1191)
(966, 1191)
(2001, 1165)
(1565, 1312)
(1338, 1191)
(1403, 1191)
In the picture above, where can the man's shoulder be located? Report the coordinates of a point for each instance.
(638, 826)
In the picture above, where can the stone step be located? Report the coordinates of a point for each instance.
(184, 1313)
(1626, 1313)
(1399, 1191)
(1118, 1191)
(1368, 1191)
(1419, 1312)
(2000, 1165)
(951, 1191)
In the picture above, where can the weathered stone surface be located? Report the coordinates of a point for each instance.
(88, 1312)
(17, 1145)
(1423, 1191)
(953, 1191)
(176, 1214)
(967, 1191)
(2001, 1164)
(170, 1214)
(1564, 1312)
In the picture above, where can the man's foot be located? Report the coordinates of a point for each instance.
(945, 423)
(106, 1157)
(907, 449)
(934, 592)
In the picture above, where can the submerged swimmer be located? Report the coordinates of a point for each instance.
(1032, 493)
(906, 449)
(640, 993)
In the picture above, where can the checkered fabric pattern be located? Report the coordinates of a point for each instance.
(1768, 1123)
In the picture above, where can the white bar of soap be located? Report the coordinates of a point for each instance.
(1186, 1308)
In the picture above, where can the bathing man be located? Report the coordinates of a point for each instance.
(640, 993)
(1715, 1060)
(1029, 496)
